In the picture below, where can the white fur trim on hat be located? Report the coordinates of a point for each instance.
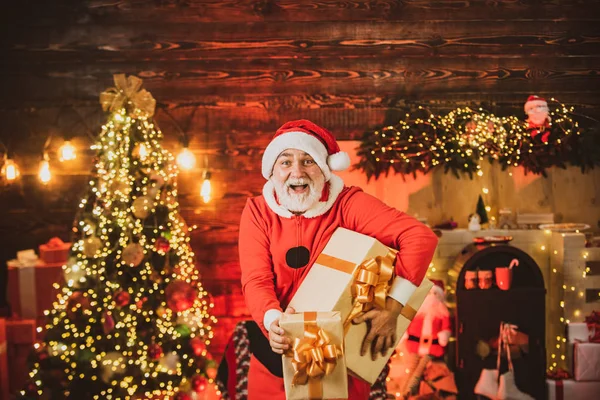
(339, 161)
(295, 140)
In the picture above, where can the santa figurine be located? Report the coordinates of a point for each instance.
(538, 120)
(429, 330)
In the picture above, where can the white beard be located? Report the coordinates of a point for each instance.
(299, 202)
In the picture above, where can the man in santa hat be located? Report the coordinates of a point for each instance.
(283, 231)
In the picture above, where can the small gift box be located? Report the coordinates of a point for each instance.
(55, 251)
(584, 358)
(352, 275)
(314, 367)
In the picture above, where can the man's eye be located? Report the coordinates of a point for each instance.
(285, 162)
(309, 162)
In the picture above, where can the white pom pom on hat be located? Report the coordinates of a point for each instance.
(307, 136)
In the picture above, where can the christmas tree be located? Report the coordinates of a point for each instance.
(481, 211)
(131, 320)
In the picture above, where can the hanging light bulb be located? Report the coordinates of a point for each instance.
(10, 170)
(44, 172)
(205, 189)
(186, 159)
(66, 152)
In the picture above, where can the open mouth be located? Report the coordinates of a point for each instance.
(298, 188)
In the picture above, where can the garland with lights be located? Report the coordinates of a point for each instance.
(132, 319)
(461, 139)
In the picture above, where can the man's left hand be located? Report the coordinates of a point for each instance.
(381, 335)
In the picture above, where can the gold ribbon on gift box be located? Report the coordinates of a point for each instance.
(371, 284)
(128, 91)
(313, 356)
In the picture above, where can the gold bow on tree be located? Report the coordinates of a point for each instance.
(128, 93)
(372, 283)
(313, 357)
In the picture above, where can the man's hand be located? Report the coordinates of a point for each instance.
(381, 334)
(279, 343)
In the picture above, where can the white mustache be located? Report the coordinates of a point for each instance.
(298, 182)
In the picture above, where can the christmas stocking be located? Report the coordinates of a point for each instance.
(508, 390)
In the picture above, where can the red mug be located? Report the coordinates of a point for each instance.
(503, 277)
(470, 280)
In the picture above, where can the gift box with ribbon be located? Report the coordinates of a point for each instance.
(352, 275)
(314, 367)
(4, 376)
(55, 251)
(31, 288)
(569, 389)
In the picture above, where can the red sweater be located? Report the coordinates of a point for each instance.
(265, 237)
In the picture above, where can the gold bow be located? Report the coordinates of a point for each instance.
(313, 357)
(126, 93)
(371, 284)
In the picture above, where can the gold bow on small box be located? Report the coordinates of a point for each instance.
(313, 356)
(128, 93)
(314, 367)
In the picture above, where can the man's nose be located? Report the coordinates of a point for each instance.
(297, 169)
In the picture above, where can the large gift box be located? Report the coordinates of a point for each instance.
(354, 267)
(568, 389)
(55, 251)
(31, 288)
(314, 367)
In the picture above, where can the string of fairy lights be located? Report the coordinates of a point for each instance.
(95, 289)
(10, 171)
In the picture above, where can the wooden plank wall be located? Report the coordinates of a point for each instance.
(228, 73)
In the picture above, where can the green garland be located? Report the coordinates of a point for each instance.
(461, 139)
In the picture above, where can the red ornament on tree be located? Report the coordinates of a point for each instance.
(198, 346)
(182, 396)
(199, 383)
(122, 298)
(108, 323)
(162, 245)
(155, 351)
(77, 301)
(180, 295)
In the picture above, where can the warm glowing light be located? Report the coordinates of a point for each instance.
(186, 159)
(10, 170)
(143, 152)
(66, 152)
(44, 172)
(205, 190)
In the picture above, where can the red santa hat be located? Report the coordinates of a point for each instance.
(534, 101)
(311, 138)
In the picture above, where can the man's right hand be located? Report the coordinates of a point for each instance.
(279, 343)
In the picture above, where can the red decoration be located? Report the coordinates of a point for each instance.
(108, 323)
(140, 302)
(162, 245)
(155, 351)
(180, 295)
(211, 372)
(199, 383)
(593, 323)
(122, 298)
(198, 346)
(182, 396)
(75, 302)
